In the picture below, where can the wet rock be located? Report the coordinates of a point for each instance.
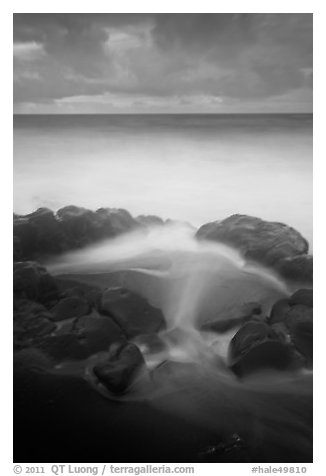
(150, 343)
(32, 281)
(131, 312)
(150, 220)
(297, 268)
(293, 319)
(301, 334)
(302, 296)
(98, 332)
(17, 249)
(119, 220)
(26, 233)
(121, 368)
(30, 320)
(256, 346)
(70, 288)
(279, 311)
(269, 243)
(298, 313)
(62, 347)
(247, 312)
(69, 307)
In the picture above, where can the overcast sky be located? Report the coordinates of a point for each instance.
(120, 63)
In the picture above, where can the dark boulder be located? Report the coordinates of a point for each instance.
(131, 312)
(32, 281)
(79, 225)
(17, 249)
(50, 238)
(269, 243)
(117, 220)
(62, 347)
(69, 307)
(256, 346)
(302, 296)
(298, 313)
(70, 287)
(279, 311)
(301, 334)
(30, 320)
(98, 332)
(150, 220)
(293, 318)
(26, 234)
(121, 368)
(297, 268)
(246, 312)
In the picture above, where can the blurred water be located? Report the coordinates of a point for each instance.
(197, 168)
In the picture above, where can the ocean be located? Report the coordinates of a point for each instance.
(195, 168)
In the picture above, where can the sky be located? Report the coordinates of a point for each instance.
(162, 63)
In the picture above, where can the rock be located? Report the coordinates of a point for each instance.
(302, 296)
(32, 281)
(269, 243)
(79, 225)
(50, 237)
(98, 333)
(302, 337)
(42, 232)
(293, 318)
(68, 307)
(297, 268)
(120, 220)
(279, 311)
(150, 220)
(131, 312)
(150, 343)
(256, 346)
(70, 287)
(26, 233)
(246, 312)
(63, 347)
(17, 249)
(121, 368)
(298, 313)
(30, 320)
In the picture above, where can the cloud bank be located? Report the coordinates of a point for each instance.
(97, 63)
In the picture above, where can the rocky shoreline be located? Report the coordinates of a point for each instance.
(59, 320)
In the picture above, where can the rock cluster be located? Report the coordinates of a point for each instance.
(283, 341)
(44, 232)
(59, 320)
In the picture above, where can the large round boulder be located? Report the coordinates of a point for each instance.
(257, 346)
(269, 243)
(119, 370)
(131, 312)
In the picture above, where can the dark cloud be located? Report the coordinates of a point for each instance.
(235, 57)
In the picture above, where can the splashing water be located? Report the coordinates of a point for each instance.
(193, 282)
